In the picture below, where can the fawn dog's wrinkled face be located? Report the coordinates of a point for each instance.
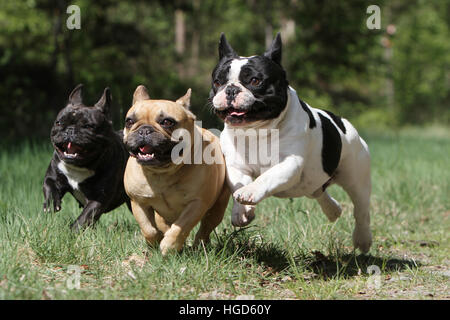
(149, 125)
(80, 133)
(248, 89)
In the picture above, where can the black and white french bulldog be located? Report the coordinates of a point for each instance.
(315, 147)
(89, 160)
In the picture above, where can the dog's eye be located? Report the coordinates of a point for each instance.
(89, 126)
(167, 123)
(128, 123)
(255, 82)
(216, 84)
(58, 123)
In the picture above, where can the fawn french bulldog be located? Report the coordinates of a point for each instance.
(169, 198)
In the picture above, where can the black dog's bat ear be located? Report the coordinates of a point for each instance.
(105, 101)
(225, 50)
(274, 51)
(76, 96)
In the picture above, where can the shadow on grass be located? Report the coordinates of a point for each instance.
(273, 258)
(349, 265)
(249, 245)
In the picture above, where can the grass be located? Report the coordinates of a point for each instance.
(290, 251)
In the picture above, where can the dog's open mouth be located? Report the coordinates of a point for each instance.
(70, 150)
(145, 153)
(151, 151)
(233, 116)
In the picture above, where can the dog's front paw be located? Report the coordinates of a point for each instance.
(168, 244)
(249, 194)
(76, 226)
(242, 215)
(52, 201)
(362, 239)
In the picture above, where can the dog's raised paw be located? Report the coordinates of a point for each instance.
(248, 194)
(242, 215)
(333, 212)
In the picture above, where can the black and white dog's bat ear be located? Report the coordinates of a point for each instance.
(274, 51)
(225, 50)
(104, 103)
(76, 96)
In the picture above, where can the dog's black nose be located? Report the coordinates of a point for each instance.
(145, 130)
(232, 91)
(70, 131)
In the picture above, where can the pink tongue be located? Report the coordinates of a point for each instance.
(72, 149)
(234, 113)
(145, 149)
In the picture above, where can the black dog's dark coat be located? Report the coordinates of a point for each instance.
(101, 151)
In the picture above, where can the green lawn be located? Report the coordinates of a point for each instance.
(290, 251)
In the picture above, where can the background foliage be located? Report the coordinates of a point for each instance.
(397, 75)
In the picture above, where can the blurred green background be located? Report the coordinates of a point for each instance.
(396, 76)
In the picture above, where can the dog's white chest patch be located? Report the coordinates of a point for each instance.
(75, 175)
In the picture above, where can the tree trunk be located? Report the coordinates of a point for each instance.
(180, 41)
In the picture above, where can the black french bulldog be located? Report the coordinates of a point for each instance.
(89, 160)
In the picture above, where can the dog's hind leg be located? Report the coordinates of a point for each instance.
(330, 206)
(89, 216)
(354, 177)
(360, 195)
(213, 216)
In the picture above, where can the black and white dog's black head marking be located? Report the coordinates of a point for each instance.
(248, 89)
